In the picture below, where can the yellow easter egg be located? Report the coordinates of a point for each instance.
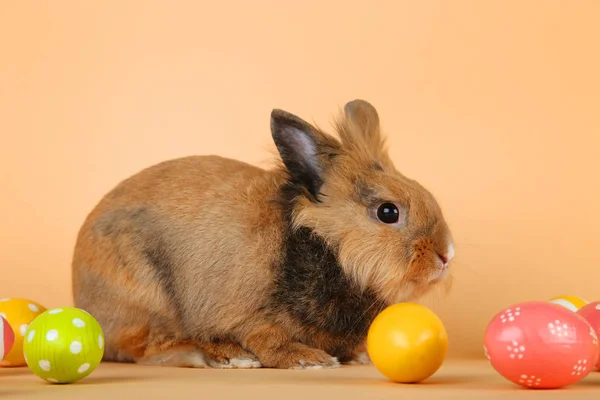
(407, 342)
(18, 313)
(573, 303)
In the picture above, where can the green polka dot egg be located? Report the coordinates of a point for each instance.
(63, 345)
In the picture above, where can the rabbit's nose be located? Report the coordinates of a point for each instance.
(443, 258)
(446, 256)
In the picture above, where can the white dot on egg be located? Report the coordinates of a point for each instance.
(23, 329)
(83, 368)
(33, 307)
(45, 365)
(101, 341)
(52, 335)
(4, 299)
(55, 311)
(31, 335)
(52, 380)
(78, 322)
(75, 347)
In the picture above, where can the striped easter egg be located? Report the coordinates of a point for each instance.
(572, 303)
(7, 337)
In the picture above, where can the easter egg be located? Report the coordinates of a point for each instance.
(572, 303)
(541, 345)
(64, 345)
(18, 313)
(7, 337)
(591, 313)
(407, 342)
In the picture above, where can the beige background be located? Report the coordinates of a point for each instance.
(492, 105)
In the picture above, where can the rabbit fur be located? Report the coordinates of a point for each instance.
(205, 261)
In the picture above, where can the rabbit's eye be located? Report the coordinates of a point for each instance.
(388, 213)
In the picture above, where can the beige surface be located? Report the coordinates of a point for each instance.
(493, 105)
(458, 380)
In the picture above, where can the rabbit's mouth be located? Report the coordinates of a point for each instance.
(424, 273)
(416, 288)
(440, 273)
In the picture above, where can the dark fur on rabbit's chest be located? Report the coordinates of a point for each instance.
(312, 289)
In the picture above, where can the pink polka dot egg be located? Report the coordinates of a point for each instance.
(63, 345)
(541, 345)
(591, 313)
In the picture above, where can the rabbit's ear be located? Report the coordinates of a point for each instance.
(361, 126)
(304, 150)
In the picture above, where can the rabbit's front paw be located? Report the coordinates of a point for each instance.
(228, 354)
(359, 358)
(299, 356)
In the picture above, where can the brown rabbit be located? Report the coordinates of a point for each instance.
(210, 262)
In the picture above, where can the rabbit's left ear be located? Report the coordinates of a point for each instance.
(361, 126)
(304, 150)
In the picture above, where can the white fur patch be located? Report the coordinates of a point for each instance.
(197, 360)
(450, 252)
(313, 366)
(244, 363)
(237, 363)
(361, 358)
(331, 363)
